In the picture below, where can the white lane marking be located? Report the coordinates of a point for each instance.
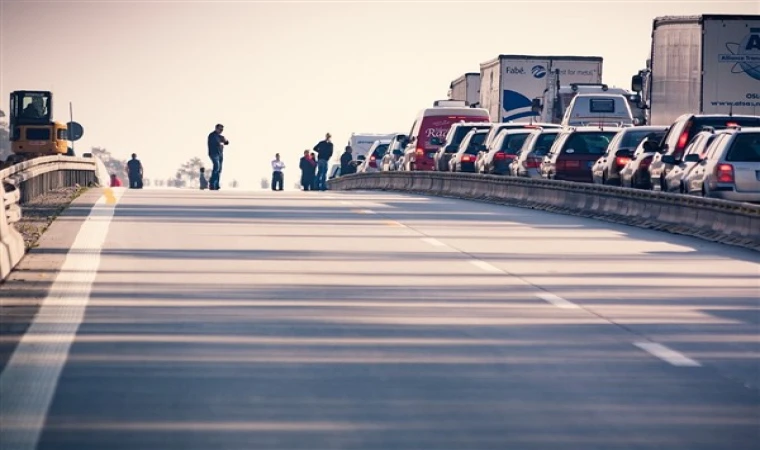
(345, 203)
(667, 354)
(485, 266)
(330, 197)
(557, 301)
(434, 242)
(30, 378)
(366, 211)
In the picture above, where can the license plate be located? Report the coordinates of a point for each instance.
(36, 142)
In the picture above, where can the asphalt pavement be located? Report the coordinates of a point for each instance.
(373, 320)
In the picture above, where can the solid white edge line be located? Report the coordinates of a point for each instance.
(30, 378)
(434, 242)
(667, 354)
(485, 266)
(557, 301)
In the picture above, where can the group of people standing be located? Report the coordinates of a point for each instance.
(314, 165)
(134, 173)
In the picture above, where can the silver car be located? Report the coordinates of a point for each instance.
(731, 167)
(535, 147)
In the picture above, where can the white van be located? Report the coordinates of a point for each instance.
(598, 109)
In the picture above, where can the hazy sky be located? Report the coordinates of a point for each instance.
(153, 77)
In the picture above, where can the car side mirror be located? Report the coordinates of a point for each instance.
(637, 83)
(668, 159)
(650, 147)
(692, 157)
(536, 106)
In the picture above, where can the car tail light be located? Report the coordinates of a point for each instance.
(420, 151)
(683, 139)
(468, 158)
(532, 163)
(724, 173)
(621, 161)
(500, 156)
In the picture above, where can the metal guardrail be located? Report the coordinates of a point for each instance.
(713, 219)
(23, 182)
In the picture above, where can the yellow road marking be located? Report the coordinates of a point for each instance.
(110, 198)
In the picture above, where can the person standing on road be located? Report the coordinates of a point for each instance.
(203, 181)
(307, 166)
(347, 165)
(324, 151)
(216, 143)
(278, 180)
(135, 172)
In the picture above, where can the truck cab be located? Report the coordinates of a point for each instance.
(553, 105)
(598, 110)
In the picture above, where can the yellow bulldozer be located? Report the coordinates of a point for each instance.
(33, 131)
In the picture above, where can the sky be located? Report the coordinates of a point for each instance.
(154, 77)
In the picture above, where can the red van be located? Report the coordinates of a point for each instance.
(429, 131)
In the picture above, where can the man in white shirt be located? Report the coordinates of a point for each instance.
(277, 177)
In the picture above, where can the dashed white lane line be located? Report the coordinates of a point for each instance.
(485, 266)
(30, 378)
(434, 242)
(667, 354)
(345, 203)
(557, 301)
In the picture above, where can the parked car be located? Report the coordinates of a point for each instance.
(695, 152)
(730, 169)
(635, 174)
(497, 128)
(537, 144)
(575, 151)
(498, 157)
(607, 168)
(375, 157)
(681, 132)
(392, 158)
(454, 137)
(464, 159)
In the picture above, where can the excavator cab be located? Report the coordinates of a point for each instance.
(33, 132)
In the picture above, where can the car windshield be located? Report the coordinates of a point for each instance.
(512, 143)
(461, 132)
(746, 148)
(475, 143)
(632, 138)
(543, 144)
(380, 150)
(588, 143)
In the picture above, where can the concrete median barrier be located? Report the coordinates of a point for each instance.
(712, 219)
(24, 181)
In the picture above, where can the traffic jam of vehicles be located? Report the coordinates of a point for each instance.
(552, 117)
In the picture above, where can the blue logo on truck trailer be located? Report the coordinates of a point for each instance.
(745, 55)
(538, 71)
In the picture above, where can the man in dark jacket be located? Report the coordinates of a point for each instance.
(216, 143)
(347, 165)
(324, 151)
(135, 172)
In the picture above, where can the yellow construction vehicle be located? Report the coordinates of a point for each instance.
(33, 132)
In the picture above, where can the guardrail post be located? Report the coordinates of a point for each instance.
(11, 241)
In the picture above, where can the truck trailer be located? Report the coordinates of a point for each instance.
(704, 64)
(509, 83)
(466, 88)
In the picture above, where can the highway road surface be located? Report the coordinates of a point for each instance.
(366, 320)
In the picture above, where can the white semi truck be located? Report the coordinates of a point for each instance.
(509, 83)
(705, 64)
(466, 88)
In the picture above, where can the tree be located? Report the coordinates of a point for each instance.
(5, 143)
(189, 173)
(113, 165)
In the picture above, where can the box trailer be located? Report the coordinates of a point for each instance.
(466, 88)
